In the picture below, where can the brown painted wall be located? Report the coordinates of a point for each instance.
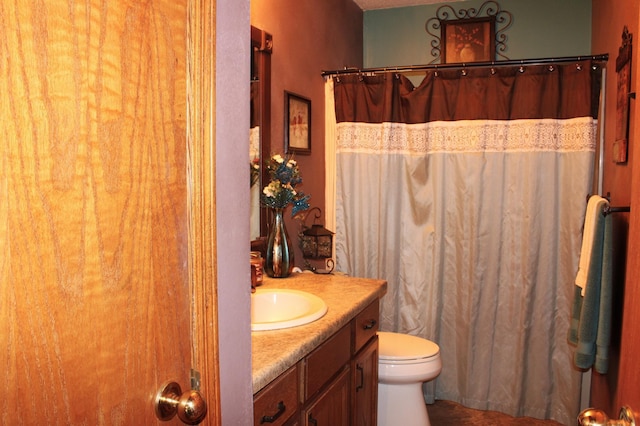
(308, 37)
(611, 391)
(608, 23)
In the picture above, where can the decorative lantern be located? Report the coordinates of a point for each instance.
(316, 241)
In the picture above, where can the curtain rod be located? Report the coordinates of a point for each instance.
(461, 65)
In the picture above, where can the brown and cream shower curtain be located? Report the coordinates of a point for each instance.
(467, 194)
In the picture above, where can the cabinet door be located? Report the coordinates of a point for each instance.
(365, 385)
(331, 407)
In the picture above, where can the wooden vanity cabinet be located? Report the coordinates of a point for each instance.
(331, 407)
(326, 361)
(364, 403)
(327, 383)
(336, 384)
(365, 386)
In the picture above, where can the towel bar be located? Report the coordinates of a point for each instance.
(608, 210)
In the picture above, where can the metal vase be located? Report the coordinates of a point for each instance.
(279, 259)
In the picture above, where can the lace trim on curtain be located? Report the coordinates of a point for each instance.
(575, 134)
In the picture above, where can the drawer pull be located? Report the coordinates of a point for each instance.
(372, 323)
(271, 419)
(312, 421)
(361, 371)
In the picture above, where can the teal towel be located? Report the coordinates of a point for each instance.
(590, 329)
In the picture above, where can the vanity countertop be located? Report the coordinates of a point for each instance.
(274, 351)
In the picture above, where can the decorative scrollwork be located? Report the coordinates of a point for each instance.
(624, 52)
(489, 9)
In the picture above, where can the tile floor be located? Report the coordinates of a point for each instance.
(446, 413)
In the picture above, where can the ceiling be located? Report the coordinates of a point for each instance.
(387, 4)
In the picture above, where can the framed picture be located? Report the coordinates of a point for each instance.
(623, 69)
(297, 124)
(468, 40)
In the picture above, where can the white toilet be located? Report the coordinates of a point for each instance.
(404, 363)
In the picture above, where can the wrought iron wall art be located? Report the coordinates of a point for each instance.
(623, 69)
(469, 35)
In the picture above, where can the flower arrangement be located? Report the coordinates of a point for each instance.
(468, 35)
(281, 191)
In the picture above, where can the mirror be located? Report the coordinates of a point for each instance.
(260, 127)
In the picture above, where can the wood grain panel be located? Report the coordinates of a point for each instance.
(201, 118)
(364, 385)
(327, 360)
(627, 392)
(279, 399)
(94, 297)
(331, 407)
(619, 386)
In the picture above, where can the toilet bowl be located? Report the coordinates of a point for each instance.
(405, 362)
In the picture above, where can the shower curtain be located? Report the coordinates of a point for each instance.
(467, 194)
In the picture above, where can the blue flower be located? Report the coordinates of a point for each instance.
(280, 192)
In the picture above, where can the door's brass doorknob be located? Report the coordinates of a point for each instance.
(595, 417)
(190, 406)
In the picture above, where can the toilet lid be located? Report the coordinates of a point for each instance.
(398, 346)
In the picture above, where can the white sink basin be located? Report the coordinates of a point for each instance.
(273, 309)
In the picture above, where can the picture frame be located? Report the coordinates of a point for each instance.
(468, 40)
(483, 28)
(623, 69)
(297, 124)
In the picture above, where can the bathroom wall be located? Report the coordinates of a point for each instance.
(311, 36)
(542, 28)
(308, 37)
(619, 385)
(232, 272)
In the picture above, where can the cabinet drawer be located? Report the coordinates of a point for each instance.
(327, 360)
(366, 325)
(277, 402)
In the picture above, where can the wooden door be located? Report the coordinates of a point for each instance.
(97, 306)
(619, 387)
(627, 391)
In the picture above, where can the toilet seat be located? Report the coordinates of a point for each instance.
(398, 348)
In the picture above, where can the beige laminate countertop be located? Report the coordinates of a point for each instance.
(274, 351)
